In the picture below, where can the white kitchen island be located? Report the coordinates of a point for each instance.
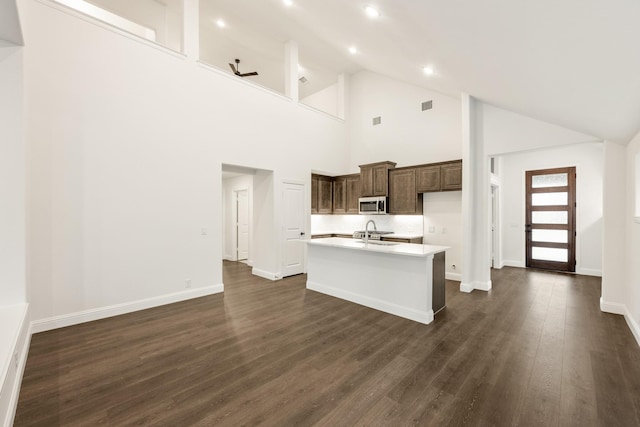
(397, 279)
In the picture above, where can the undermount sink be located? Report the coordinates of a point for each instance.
(380, 242)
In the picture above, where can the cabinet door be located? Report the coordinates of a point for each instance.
(428, 178)
(340, 195)
(325, 195)
(451, 175)
(366, 182)
(403, 196)
(353, 194)
(314, 194)
(381, 180)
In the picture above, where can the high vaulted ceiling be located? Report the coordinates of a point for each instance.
(574, 63)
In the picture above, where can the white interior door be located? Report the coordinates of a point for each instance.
(293, 227)
(242, 224)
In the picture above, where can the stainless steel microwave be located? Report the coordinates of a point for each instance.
(373, 205)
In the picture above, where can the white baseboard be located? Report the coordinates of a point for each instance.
(622, 309)
(512, 263)
(466, 287)
(118, 309)
(633, 325)
(397, 310)
(228, 258)
(480, 286)
(483, 286)
(250, 262)
(612, 307)
(265, 274)
(10, 386)
(453, 276)
(589, 272)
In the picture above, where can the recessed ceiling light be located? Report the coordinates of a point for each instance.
(220, 23)
(371, 12)
(428, 71)
(353, 50)
(288, 3)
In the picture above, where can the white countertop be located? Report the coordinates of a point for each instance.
(410, 249)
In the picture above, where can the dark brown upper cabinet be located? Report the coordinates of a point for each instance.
(321, 194)
(340, 195)
(428, 178)
(346, 191)
(404, 198)
(446, 176)
(452, 176)
(314, 194)
(374, 179)
(353, 193)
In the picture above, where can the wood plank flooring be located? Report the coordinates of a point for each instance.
(536, 350)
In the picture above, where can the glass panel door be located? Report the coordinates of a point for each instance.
(550, 211)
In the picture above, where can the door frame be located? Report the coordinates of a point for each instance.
(235, 214)
(571, 227)
(306, 215)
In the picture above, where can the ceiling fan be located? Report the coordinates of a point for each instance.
(236, 70)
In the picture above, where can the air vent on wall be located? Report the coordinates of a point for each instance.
(303, 80)
(377, 120)
(427, 105)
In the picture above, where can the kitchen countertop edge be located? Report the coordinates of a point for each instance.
(407, 249)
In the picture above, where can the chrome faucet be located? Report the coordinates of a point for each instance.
(366, 230)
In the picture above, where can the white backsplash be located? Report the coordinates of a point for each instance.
(347, 224)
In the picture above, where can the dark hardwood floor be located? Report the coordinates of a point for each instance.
(536, 350)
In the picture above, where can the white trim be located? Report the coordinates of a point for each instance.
(623, 310)
(498, 265)
(453, 276)
(111, 18)
(324, 113)
(407, 313)
(612, 307)
(91, 20)
(483, 286)
(480, 286)
(118, 309)
(10, 386)
(264, 274)
(633, 325)
(228, 257)
(230, 76)
(466, 287)
(512, 263)
(589, 272)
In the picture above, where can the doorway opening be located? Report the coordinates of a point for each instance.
(551, 219)
(237, 213)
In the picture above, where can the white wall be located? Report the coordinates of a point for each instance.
(587, 158)
(407, 135)
(10, 31)
(324, 100)
(504, 131)
(12, 179)
(443, 226)
(165, 17)
(126, 145)
(632, 290)
(229, 186)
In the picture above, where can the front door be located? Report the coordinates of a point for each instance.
(551, 219)
(293, 220)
